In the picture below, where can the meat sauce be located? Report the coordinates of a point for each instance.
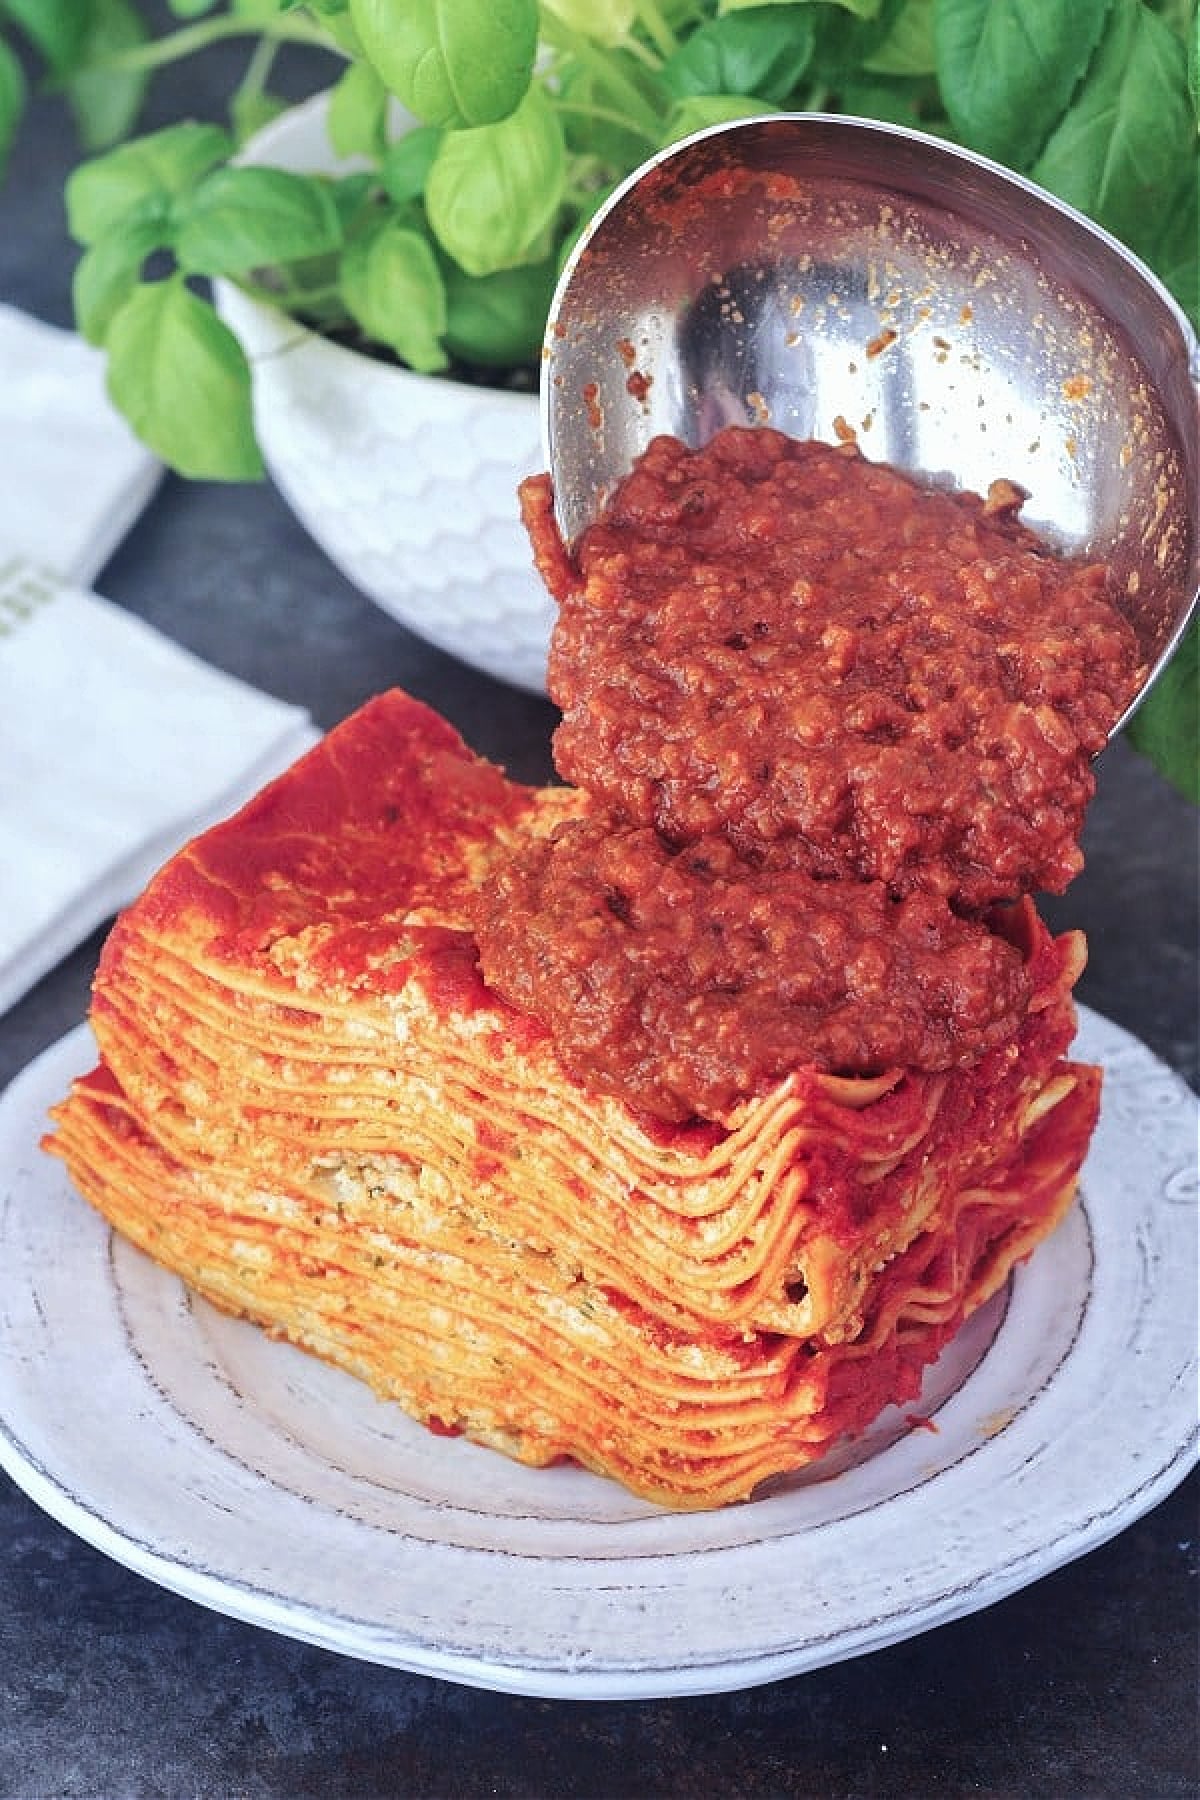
(685, 979)
(827, 718)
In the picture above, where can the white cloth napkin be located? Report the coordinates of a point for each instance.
(73, 478)
(116, 745)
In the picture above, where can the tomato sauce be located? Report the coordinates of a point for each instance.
(684, 979)
(828, 717)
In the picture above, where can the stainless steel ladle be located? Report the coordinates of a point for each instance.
(829, 275)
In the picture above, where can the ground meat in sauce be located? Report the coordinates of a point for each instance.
(683, 980)
(836, 668)
(827, 718)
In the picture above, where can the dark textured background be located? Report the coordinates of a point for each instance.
(1082, 1685)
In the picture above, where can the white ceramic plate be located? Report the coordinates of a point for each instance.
(254, 1480)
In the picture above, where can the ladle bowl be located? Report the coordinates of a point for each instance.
(832, 276)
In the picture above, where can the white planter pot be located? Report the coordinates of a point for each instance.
(408, 482)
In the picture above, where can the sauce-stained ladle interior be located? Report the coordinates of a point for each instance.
(833, 276)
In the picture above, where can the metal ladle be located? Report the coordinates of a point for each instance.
(834, 276)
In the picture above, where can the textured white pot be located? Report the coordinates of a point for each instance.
(408, 482)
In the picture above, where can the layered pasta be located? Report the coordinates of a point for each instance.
(311, 1106)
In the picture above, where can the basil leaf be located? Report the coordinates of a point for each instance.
(498, 321)
(703, 110)
(107, 274)
(763, 51)
(615, 136)
(249, 112)
(908, 48)
(847, 39)
(12, 99)
(1168, 240)
(245, 218)
(357, 117)
(406, 163)
(493, 191)
(893, 102)
(1117, 152)
(1008, 68)
(393, 289)
(180, 377)
(1166, 727)
(352, 197)
(56, 32)
(607, 22)
(167, 162)
(451, 62)
(106, 102)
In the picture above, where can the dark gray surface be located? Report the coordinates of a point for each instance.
(1082, 1685)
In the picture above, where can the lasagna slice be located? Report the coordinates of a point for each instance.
(311, 1107)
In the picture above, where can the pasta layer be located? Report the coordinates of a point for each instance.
(311, 1107)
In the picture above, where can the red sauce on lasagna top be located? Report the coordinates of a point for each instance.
(685, 979)
(827, 717)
